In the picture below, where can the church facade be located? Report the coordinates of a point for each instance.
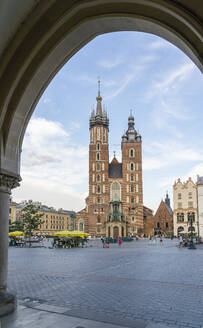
(114, 206)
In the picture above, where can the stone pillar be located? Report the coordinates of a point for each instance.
(7, 182)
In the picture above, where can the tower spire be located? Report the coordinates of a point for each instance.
(99, 99)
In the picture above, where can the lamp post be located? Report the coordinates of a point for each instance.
(190, 222)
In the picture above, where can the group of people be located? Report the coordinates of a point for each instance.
(106, 243)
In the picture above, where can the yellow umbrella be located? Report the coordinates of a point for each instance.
(66, 233)
(16, 233)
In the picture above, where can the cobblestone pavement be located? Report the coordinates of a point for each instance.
(139, 281)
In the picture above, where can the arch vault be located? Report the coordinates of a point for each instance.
(38, 37)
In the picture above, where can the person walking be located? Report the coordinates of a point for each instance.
(180, 241)
(119, 241)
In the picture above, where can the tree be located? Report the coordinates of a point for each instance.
(16, 226)
(31, 219)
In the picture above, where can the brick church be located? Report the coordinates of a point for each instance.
(114, 206)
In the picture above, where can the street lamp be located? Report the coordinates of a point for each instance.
(190, 222)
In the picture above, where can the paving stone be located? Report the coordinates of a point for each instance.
(162, 284)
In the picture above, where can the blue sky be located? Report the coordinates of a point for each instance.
(138, 71)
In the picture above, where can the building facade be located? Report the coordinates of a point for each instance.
(53, 220)
(114, 206)
(185, 206)
(163, 219)
(200, 205)
(148, 219)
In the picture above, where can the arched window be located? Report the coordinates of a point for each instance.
(132, 188)
(98, 178)
(191, 215)
(98, 133)
(132, 166)
(98, 146)
(132, 153)
(98, 166)
(132, 200)
(131, 177)
(98, 157)
(98, 189)
(98, 219)
(115, 191)
(180, 217)
(81, 226)
(180, 229)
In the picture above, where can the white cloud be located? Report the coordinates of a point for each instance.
(53, 165)
(170, 153)
(46, 100)
(172, 81)
(110, 63)
(159, 44)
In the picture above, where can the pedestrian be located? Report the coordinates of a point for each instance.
(103, 239)
(180, 241)
(119, 241)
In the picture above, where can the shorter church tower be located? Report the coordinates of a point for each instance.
(132, 179)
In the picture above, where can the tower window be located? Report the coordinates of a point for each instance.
(132, 166)
(131, 177)
(98, 146)
(98, 219)
(98, 178)
(98, 167)
(132, 153)
(98, 189)
(132, 189)
(98, 133)
(98, 157)
(98, 200)
(132, 200)
(179, 196)
(104, 136)
(158, 225)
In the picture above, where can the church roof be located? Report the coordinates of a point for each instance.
(114, 161)
(115, 169)
(169, 209)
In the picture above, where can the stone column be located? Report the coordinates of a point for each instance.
(7, 182)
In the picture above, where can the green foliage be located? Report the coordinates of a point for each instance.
(16, 226)
(31, 218)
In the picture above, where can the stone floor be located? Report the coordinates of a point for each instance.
(137, 285)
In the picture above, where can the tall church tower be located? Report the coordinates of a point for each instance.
(98, 169)
(132, 179)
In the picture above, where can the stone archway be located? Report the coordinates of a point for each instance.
(29, 61)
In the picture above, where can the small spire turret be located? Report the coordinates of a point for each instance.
(99, 99)
(100, 117)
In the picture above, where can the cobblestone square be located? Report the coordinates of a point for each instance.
(161, 284)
